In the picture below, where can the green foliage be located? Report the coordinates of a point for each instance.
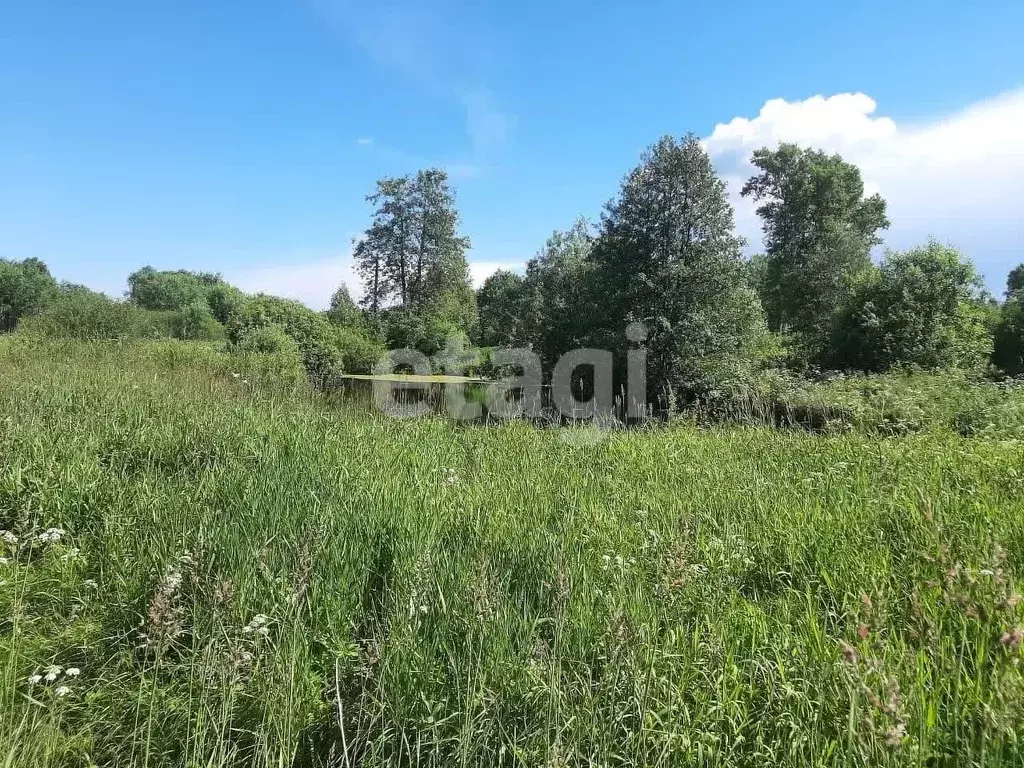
(343, 310)
(26, 287)
(168, 290)
(195, 322)
(412, 257)
(272, 351)
(184, 292)
(1008, 344)
(224, 301)
(326, 349)
(559, 297)
(310, 330)
(819, 230)
(78, 313)
(501, 306)
(668, 257)
(921, 307)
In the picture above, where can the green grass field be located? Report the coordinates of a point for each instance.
(207, 572)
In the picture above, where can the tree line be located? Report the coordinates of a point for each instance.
(664, 253)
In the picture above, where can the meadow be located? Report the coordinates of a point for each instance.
(205, 566)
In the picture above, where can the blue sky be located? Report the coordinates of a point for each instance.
(242, 137)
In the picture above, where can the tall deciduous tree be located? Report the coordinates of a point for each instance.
(413, 258)
(668, 256)
(501, 303)
(560, 313)
(819, 229)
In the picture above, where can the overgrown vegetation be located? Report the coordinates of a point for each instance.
(206, 565)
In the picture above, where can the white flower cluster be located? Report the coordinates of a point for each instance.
(50, 536)
(258, 626)
(52, 674)
(9, 537)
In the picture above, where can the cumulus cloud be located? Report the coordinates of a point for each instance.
(957, 177)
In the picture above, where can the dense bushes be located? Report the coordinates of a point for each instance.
(920, 308)
(326, 350)
(85, 315)
(26, 287)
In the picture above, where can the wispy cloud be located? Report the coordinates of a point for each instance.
(364, 142)
(433, 49)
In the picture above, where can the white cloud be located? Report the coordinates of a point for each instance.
(311, 281)
(364, 142)
(481, 270)
(958, 177)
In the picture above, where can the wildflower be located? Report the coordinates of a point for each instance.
(90, 584)
(986, 572)
(1013, 638)
(71, 554)
(52, 673)
(35, 679)
(72, 672)
(9, 538)
(62, 691)
(862, 631)
(236, 375)
(50, 536)
(258, 625)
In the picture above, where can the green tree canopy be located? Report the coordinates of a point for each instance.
(343, 310)
(412, 256)
(668, 256)
(921, 307)
(26, 288)
(819, 229)
(502, 309)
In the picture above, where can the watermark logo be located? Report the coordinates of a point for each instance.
(580, 392)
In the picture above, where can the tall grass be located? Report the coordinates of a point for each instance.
(244, 575)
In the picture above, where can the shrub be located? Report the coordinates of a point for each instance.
(26, 287)
(359, 353)
(920, 308)
(86, 315)
(1008, 351)
(271, 353)
(224, 301)
(314, 335)
(194, 322)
